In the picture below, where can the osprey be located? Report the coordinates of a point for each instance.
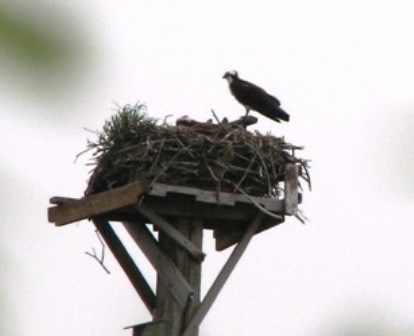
(253, 97)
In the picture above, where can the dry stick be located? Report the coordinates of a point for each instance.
(102, 258)
(272, 164)
(215, 178)
(245, 172)
(215, 116)
(183, 146)
(257, 152)
(168, 165)
(241, 156)
(269, 187)
(257, 205)
(165, 119)
(308, 175)
(158, 155)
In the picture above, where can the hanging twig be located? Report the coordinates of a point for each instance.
(100, 259)
(257, 205)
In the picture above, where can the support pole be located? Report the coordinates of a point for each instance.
(168, 272)
(128, 265)
(167, 309)
(223, 276)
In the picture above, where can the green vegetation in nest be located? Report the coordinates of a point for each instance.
(218, 156)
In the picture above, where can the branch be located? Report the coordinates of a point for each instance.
(95, 256)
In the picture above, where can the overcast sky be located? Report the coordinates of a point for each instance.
(344, 71)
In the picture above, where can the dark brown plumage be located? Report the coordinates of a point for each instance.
(253, 97)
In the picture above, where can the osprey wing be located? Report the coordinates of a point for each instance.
(255, 98)
(252, 95)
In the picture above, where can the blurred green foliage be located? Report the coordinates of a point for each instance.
(28, 42)
(46, 50)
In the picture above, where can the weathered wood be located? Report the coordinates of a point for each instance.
(193, 272)
(291, 189)
(223, 276)
(155, 328)
(169, 274)
(127, 263)
(58, 200)
(97, 204)
(167, 309)
(178, 205)
(227, 236)
(171, 231)
(209, 196)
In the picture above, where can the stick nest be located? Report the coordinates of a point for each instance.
(218, 156)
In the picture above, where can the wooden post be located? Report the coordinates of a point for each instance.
(167, 271)
(167, 308)
(222, 277)
(127, 263)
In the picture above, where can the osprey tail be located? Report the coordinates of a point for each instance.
(281, 114)
(275, 113)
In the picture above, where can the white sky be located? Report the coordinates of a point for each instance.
(344, 71)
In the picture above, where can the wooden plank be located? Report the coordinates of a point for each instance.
(228, 236)
(209, 196)
(190, 268)
(291, 189)
(185, 206)
(193, 272)
(155, 328)
(128, 265)
(166, 304)
(171, 231)
(97, 204)
(169, 274)
(58, 200)
(223, 276)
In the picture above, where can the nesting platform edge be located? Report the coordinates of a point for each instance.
(225, 213)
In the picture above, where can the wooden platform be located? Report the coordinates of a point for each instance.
(180, 214)
(225, 213)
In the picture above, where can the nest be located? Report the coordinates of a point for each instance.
(219, 156)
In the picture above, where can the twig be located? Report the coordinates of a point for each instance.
(158, 155)
(80, 154)
(215, 116)
(247, 170)
(165, 119)
(100, 259)
(257, 205)
(300, 215)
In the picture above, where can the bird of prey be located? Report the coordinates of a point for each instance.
(253, 97)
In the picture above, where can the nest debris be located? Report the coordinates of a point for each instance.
(218, 156)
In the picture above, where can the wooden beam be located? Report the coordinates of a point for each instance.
(291, 189)
(193, 274)
(172, 232)
(168, 272)
(228, 236)
(167, 308)
(223, 276)
(154, 328)
(128, 265)
(212, 197)
(95, 205)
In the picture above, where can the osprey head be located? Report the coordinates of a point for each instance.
(231, 75)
